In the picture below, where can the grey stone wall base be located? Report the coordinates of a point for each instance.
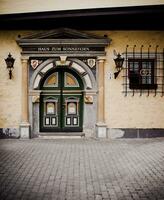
(101, 130)
(134, 133)
(9, 133)
(25, 131)
(90, 132)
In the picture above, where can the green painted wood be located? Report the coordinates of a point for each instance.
(62, 93)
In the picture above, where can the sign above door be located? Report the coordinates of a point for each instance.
(63, 41)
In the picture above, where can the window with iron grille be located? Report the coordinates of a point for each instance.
(141, 73)
(143, 70)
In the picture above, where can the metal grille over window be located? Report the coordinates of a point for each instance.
(143, 72)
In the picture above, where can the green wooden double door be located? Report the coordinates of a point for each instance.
(61, 102)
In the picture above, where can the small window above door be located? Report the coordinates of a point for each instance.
(70, 80)
(52, 80)
(61, 78)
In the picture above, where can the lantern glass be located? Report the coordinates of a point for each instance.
(10, 61)
(119, 61)
(10, 64)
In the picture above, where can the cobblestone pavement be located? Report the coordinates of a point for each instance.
(82, 169)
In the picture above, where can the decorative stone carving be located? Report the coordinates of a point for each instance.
(62, 63)
(91, 62)
(88, 99)
(36, 99)
(63, 59)
(35, 63)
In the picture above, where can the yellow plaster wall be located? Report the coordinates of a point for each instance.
(120, 111)
(137, 111)
(10, 90)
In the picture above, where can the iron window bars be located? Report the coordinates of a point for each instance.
(143, 71)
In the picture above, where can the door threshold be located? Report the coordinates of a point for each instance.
(61, 134)
(59, 137)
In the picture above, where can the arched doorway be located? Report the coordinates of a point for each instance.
(61, 101)
(77, 51)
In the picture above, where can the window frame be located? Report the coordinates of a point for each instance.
(135, 81)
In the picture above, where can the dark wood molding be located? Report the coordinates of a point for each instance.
(121, 18)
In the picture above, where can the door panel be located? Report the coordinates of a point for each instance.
(72, 112)
(50, 118)
(61, 109)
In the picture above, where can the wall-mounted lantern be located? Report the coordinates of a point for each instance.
(119, 64)
(10, 64)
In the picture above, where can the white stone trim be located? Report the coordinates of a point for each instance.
(47, 67)
(88, 81)
(77, 67)
(37, 81)
(59, 62)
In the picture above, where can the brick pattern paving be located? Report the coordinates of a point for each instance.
(82, 169)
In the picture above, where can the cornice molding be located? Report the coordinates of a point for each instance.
(136, 17)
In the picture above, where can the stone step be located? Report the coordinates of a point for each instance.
(59, 135)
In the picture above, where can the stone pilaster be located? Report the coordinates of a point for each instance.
(24, 126)
(100, 125)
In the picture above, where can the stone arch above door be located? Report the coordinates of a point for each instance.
(51, 46)
(72, 63)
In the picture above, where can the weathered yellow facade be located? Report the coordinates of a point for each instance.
(131, 112)
(137, 111)
(10, 93)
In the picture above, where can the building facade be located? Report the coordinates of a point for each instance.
(65, 80)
